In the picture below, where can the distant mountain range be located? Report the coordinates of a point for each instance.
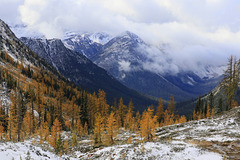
(126, 57)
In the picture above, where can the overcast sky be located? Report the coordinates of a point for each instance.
(206, 31)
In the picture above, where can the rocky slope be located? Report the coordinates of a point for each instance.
(78, 69)
(86, 44)
(20, 53)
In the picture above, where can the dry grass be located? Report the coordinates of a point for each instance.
(230, 150)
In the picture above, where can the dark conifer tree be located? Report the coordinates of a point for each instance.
(220, 105)
(211, 100)
(231, 79)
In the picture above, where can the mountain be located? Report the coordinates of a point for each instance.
(124, 58)
(87, 44)
(16, 52)
(100, 37)
(127, 58)
(78, 69)
(183, 85)
(82, 44)
(32, 89)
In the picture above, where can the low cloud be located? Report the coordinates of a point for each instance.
(9, 11)
(200, 31)
(124, 66)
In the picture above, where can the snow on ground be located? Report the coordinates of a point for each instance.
(174, 150)
(220, 134)
(24, 150)
(162, 150)
(220, 128)
(207, 139)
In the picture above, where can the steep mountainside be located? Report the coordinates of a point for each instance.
(126, 57)
(77, 68)
(82, 44)
(12, 47)
(123, 58)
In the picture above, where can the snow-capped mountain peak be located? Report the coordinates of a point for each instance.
(96, 37)
(131, 37)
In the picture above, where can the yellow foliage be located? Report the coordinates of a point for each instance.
(148, 125)
(208, 114)
(56, 128)
(85, 129)
(98, 129)
(79, 128)
(111, 129)
(1, 131)
(168, 118)
(182, 119)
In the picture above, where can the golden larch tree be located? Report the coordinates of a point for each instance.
(1, 131)
(104, 107)
(182, 119)
(56, 128)
(208, 114)
(85, 129)
(129, 116)
(111, 129)
(79, 128)
(98, 129)
(27, 124)
(148, 125)
(168, 118)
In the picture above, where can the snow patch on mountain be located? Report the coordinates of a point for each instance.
(4, 96)
(96, 37)
(100, 37)
(208, 72)
(190, 81)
